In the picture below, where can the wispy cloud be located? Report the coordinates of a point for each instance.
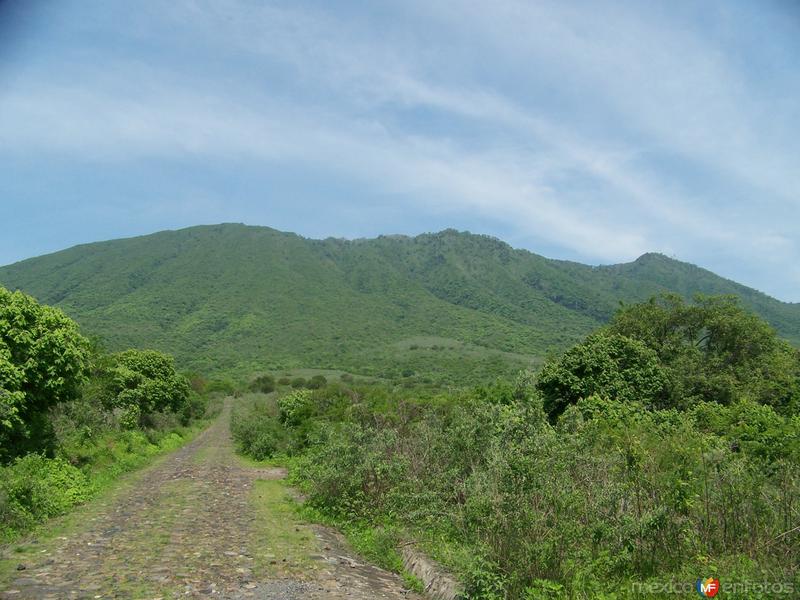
(606, 137)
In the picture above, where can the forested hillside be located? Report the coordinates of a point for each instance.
(444, 306)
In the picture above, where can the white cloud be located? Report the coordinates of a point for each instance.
(513, 157)
(174, 124)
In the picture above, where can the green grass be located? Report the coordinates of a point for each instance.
(240, 300)
(283, 542)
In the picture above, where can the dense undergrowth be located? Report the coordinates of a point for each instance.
(662, 469)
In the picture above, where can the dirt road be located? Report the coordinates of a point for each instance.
(198, 523)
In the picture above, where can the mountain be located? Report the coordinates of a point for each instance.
(448, 306)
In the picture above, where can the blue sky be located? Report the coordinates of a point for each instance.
(593, 131)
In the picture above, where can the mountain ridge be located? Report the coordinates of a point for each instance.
(448, 305)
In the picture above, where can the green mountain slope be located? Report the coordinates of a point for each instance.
(448, 306)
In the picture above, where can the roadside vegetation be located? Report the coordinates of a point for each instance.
(73, 418)
(664, 447)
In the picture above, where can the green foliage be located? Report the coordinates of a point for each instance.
(34, 488)
(145, 381)
(621, 484)
(714, 350)
(609, 365)
(613, 493)
(197, 382)
(666, 353)
(294, 407)
(90, 416)
(92, 449)
(263, 384)
(220, 386)
(43, 359)
(255, 427)
(316, 382)
(484, 580)
(452, 307)
(12, 398)
(754, 429)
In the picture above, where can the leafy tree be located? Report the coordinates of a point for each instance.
(714, 350)
(609, 365)
(11, 398)
(43, 359)
(144, 381)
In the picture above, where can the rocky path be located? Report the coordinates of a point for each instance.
(199, 524)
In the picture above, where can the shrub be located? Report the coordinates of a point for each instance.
(256, 430)
(264, 384)
(612, 492)
(317, 382)
(196, 407)
(298, 382)
(197, 382)
(609, 365)
(220, 386)
(294, 407)
(33, 488)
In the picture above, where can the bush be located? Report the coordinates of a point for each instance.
(298, 382)
(196, 407)
(611, 493)
(284, 381)
(220, 386)
(609, 365)
(317, 382)
(34, 488)
(294, 407)
(256, 430)
(264, 384)
(258, 436)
